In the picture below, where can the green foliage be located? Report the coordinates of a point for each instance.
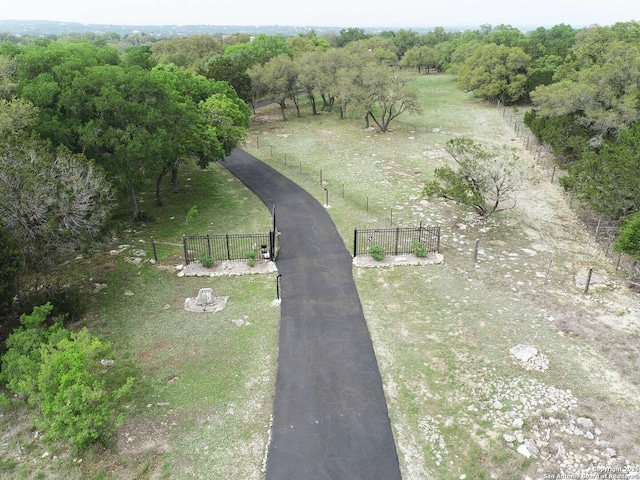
(206, 260)
(418, 249)
(628, 240)
(568, 138)
(62, 374)
(191, 214)
(450, 184)
(485, 179)
(21, 363)
(9, 270)
(495, 71)
(607, 179)
(377, 252)
(251, 257)
(74, 394)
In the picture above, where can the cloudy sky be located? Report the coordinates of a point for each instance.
(338, 13)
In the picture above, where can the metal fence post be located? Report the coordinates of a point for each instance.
(186, 249)
(355, 243)
(153, 246)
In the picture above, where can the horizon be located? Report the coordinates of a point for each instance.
(402, 14)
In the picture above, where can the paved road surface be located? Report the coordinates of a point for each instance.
(330, 418)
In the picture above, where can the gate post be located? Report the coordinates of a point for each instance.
(186, 249)
(228, 252)
(355, 243)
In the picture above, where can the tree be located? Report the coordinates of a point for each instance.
(485, 179)
(350, 35)
(603, 96)
(607, 179)
(50, 203)
(309, 72)
(231, 68)
(188, 52)
(279, 77)
(420, 57)
(628, 240)
(391, 97)
(405, 40)
(495, 71)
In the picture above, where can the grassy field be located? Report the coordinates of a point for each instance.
(442, 333)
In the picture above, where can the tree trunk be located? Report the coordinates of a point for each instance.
(174, 178)
(135, 211)
(282, 107)
(312, 100)
(297, 104)
(366, 121)
(159, 202)
(325, 103)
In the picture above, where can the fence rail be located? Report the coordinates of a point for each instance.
(396, 241)
(234, 247)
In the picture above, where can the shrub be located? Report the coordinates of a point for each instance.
(62, 374)
(206, 260)
(72, 393)
(251, 257)
(21, 363)
(377, 252)
(418, 249)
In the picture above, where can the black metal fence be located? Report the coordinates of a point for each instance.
(240, 247)
(396, 241)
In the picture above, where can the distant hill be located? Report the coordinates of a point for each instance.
(46, 28)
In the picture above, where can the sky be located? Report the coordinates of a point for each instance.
(331, 13)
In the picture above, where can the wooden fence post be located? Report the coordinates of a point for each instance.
(586, 287)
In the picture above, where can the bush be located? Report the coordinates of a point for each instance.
(206, 260)
(418, 249)
(72, 391)
(251, 257)
(21, 363)
(377, 252)
(62, 374)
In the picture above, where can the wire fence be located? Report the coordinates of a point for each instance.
(605, 229)
(330, 188)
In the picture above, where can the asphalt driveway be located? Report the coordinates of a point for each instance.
(330, 418)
